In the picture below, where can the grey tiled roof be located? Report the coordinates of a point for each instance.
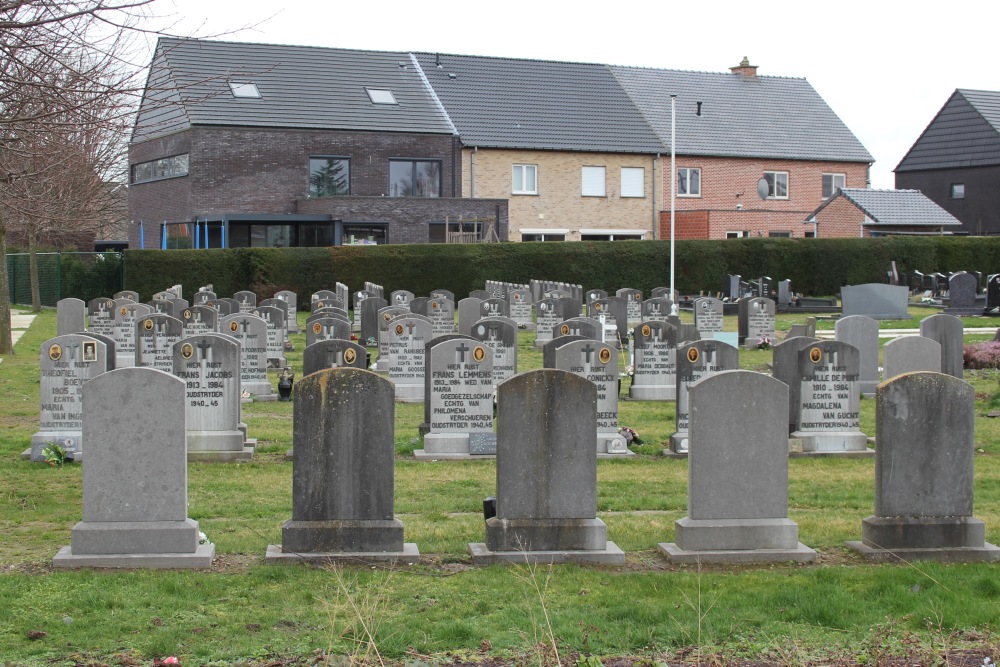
(964, 133)
(896, 207)
(763, 116)
(537, 104)
(300, 87)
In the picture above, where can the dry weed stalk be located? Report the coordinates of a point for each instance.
(361, 610)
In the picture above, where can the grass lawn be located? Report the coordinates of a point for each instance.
(443, 610)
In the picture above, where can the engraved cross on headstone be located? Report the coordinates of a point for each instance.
(204, 346)
(462, 349)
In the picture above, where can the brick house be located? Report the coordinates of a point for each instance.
(861, 212)
(956, 160)
(262, 145)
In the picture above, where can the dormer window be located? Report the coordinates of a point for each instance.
(381, 96)
(248, 90)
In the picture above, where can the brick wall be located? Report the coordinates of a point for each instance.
(559, 203)
(840, 218)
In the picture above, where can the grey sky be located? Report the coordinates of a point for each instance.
(885, 67)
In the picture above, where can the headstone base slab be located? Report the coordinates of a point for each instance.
(409, 555)
(201, 558)
(612, 444)
(863, 454)
(987, 553)
(342, 536)
(679, 444)
(138, 537)
(832, 441)
(446, 443)
(409, 393)
(899, 532)
(736, 534)
(222, 441)
(422, 455)
(546, 534)
(540, 342)
(260, 391)
(652, 392)
(611, 554)
(381, 365)
(244, 455)
(71, 441)
(800, 554)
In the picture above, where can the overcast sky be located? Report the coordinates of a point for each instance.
(885, 67)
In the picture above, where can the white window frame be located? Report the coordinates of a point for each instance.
(524, 169)
(958, 190)
(687, 174)
(735, 235)
(593, 182)
(834, 178)
(382, 96)
(773, 184)
(633, 182)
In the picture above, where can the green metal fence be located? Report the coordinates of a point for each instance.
(84, 275)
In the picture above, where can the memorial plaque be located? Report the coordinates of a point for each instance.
(695, 361)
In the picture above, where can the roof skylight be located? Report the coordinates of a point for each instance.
(381, 96)
(244, 89)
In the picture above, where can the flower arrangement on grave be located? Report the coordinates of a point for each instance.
(54, 454)
(765, 343)
(628, 372)
(630, 434)
(354, 337)
(371, 342)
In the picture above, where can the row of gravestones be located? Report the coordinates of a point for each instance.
(545, 509)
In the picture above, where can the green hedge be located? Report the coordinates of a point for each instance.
(815, 266)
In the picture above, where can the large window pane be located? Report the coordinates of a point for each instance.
(414, 178)
(400, 179)
(329, 177)
(428, 179)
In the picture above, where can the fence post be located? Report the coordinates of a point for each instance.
(58, 276)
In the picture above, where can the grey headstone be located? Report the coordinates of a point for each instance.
(756, 322)
(407, 336)
(127, 312)
(948, 331)
(614, 311)
(861, 331)
(461, 395)
(201, 297)
(655, 376)
(546, 317)
(226, 306)
(209, 364)
(135, 477)
(578, 326)
(325, 297)
(657, 308)
(785, 367)
(70, 316)
(519, 307)
(200, 319)
(500, 334)
(708, 316)
(597, 362)
(908, 354)
(442, 294)
(385, 317)
(128, 295)
(101, 316)
(549, 349)
(329, 311)
(66, 364)
(247, 300)
(154, 341)
(275, 319)
(342, 467)
(441, 313)
(292, 299)
(483, 294)
(924, 472)
(829, 409)
(170, 306)
(695, 361)
(369, 318)
(962, 289)
(876, 300)
(418, 305)
(332, 353)
(469, 310)
(400, 297)
(327, 328)
(251, 332)
(493, 308)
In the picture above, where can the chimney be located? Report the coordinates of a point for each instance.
(745, 68)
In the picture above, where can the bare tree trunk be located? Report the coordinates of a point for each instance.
(36, 293)
(6, 346)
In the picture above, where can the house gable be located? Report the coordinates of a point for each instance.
(964, 133)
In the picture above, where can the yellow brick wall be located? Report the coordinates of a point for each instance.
(559, 203)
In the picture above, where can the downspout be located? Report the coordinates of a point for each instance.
(472, 172)
(656, 161)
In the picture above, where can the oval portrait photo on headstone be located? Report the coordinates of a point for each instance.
(646, 330)
(399, 329)
(55, 352)
(187, 351)
(815, 355)
(693, 355)
(564, 329)
(187, 314)
(123, 311)
(317, 327)
(233, 326)
(604, 355)
(148, 325)
(350, 356)
(479, 354)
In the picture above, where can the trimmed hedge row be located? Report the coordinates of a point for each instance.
(815, 266)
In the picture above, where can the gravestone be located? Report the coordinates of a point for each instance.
(281, 305)
(66, 364)
(171, 306)
(292, 299)
(546, 507)
(209, 364)
(200, 319)
(578, 326)
(546, 318)
(441, 313)
(369, 319)
(633, 304)
(418, 305)
(962, 290)
(328, 311)
(878, 301)
(594, 295)
(325, 297)
(385, 317)
(332, 353)
(756, 322)
(731, 287)
(568, 306)
(613, 310)
(227, 306)
(657, 308)
(500, 335)
(342, 472)
(460, 399)
(598, 362)
(71, 315)
(327, 328)
(469, 310)
(785, 293)
(655, 373)
(127, 313)
(128, 295)
(737, 475)
(493, 308)
(101, 316)
(443, 294)
(785, 367)
(992, 294)
(662, 292)
(549, 349)
(695, 361)
(343, 293)
(275, 343)
(924, 473)
(400, 297)
(708, 316)
(251, 332)
(829, 419)
(247, 300)
(861, 331)
(154, 341)
(356, 300)
(201, 297)
(519, 307)
(407, 336)
(483, 294)
(135, 477)
(948, 331)
(908, 354)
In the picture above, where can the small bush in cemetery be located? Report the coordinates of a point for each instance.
(982, 355)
